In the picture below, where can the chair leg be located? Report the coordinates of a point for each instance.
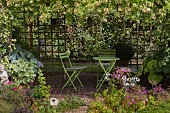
(79, 79)
(70, 80)
(76, 76)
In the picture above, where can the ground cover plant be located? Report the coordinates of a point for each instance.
(93, 25)
(16, 99)
(126, 96)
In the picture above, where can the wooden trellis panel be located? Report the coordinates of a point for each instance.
(45, 40)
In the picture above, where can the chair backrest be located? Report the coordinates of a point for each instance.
(107, 52)
(65, 56)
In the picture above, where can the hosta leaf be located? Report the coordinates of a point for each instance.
(22, 54)
(30, 55)
(150, 65)
(154, 78)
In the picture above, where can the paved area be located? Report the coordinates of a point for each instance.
(89, 80)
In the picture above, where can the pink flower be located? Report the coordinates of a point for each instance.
(129, 103)
(23, 92)
(10, 82)
(14, 88)
(133, 101)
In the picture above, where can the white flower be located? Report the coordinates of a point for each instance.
(54, 101)
(132, 79)
(126, 84)
(137, 80)
(132, 84)
(124, 78)
(148, 9)
(108, 74)
(128, 79)
(106, 78)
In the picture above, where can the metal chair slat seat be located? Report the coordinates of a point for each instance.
(76, 70)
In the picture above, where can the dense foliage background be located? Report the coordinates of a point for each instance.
(95, 24)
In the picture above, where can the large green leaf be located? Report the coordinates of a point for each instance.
(154, 78)
(150, 65)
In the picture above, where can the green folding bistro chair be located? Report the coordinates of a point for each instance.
(107, 52)
(106, 64)
(74, 70)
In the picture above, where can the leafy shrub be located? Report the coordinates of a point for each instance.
(131, 100)
(69, 103)
(42, 90)
(12, 97)
(155, 67)
(22, 65)
(158, 107)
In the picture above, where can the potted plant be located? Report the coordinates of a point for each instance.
(125, 52)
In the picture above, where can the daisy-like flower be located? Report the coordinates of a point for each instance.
(54, 102)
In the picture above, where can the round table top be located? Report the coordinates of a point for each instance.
(106, 58)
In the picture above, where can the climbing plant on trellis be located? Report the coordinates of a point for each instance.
(87, 25)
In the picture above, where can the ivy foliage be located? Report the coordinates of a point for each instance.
(95, 18)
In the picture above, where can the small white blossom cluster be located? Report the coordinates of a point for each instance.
(107, 77)
(129, 81)
(123, 76)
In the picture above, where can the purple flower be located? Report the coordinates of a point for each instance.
(38, 48)
(157, 89)
(40, 42)
(118, 76)
(144, 91)
(128, 70)
(129, 103)
(114, 75)
(39, 64)
(118, 71)
(122, 69)
(128, 96)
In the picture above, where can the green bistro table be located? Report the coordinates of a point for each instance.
(106, 70)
